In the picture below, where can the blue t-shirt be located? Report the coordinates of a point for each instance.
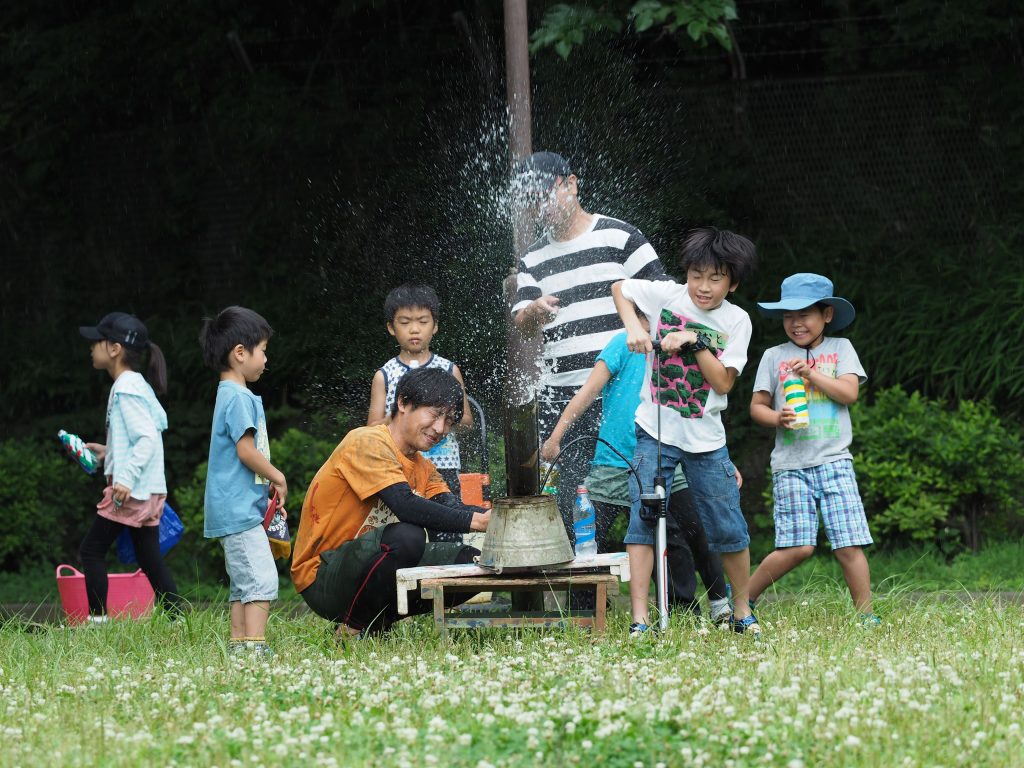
(620, 398)
(236, 497)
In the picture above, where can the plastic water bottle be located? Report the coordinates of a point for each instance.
(74, 446)
(584, 524)
(796, 398)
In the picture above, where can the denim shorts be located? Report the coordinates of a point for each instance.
(250, 566)
(712, 478)
(832, 488)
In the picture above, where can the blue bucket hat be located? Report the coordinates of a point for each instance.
(805, 289)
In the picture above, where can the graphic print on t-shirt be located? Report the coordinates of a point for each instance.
(681, 385)
(823, 410)
(263, 446)
(380, 514)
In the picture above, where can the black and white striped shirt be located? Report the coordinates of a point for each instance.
(580, 272)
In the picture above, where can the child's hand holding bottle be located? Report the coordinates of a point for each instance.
(99, 450)
(281, 486)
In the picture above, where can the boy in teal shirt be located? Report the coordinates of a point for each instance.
(240, 473)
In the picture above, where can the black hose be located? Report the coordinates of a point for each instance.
(656, 344)
(581, 438)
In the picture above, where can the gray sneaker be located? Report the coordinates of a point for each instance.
(720, 611)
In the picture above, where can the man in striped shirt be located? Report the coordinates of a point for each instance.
(563, 289)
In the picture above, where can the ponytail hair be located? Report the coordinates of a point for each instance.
(156, 372)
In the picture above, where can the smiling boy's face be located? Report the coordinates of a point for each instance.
(413, 328)
(807, 326)
(708, 286)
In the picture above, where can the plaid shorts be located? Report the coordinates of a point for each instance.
(833, 487)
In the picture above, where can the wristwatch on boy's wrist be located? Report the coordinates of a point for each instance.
(703, 342)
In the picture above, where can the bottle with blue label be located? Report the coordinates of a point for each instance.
(74, 446)
(584, 524)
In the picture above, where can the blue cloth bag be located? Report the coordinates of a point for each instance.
(171, 529)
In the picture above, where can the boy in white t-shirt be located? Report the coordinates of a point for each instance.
(704, 342)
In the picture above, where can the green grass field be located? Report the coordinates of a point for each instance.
(940, 683)
(996, 568)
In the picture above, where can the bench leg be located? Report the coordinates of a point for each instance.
(439, 612)
(599, 608)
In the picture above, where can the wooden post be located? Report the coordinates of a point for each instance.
(521, 438)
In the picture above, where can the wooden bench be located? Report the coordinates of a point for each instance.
(603, 572)
(461, 619)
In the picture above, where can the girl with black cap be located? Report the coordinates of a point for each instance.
(133, 459)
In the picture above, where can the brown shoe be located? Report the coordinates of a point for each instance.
(343, 633)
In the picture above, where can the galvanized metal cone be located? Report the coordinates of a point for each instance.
(525, 533)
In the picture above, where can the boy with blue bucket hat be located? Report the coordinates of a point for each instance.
(812, 467)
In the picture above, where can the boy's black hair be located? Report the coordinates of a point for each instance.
(712, 247)
(431, 388)
(411, 295)
(231, 327)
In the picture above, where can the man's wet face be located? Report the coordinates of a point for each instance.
(549, 200)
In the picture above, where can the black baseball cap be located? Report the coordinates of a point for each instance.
(120, 327)
(540, 169)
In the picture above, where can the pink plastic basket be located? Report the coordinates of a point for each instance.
(128, 594)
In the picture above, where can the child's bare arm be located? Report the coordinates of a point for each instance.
(467, 412)
(378, 397)
(762, 413)
(250, 456)
(637, 339)
(581, 401)
(717, 375)
(844, 390)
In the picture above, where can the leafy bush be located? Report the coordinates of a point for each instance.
(923, 467)
(299, 456)
(46, 501)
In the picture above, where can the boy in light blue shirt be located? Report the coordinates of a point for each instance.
(240, 473)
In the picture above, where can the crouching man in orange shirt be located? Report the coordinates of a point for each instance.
(368, 507)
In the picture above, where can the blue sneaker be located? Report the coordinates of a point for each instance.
(636, 629)
(728, 596)
(869, 621)
(746, 625)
